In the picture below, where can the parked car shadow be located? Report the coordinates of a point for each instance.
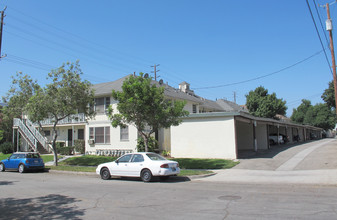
(45, 207)
(6, 183)
(172, 179)
(269, 153)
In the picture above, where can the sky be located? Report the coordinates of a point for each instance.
(222, 48)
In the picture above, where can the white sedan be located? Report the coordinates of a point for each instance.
(141, 164)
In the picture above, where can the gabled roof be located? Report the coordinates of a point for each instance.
(104, 89)
(229, 106)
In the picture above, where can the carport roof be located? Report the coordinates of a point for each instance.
(249, 117)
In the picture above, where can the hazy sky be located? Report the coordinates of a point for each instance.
(218, 43)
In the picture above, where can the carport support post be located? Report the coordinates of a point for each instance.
(254, 134)
(278, 134)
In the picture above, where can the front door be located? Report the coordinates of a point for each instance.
(70, 137)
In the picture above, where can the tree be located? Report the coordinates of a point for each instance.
(329, 95)
(22, 88)
(320, 115)
(66, 95)
(262, 104)
(299, 113)
(142, 104)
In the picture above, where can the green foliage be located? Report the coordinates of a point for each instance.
(319, 115)
(142, 104)
(63, 97)
(329, 95)
(262, 104)
(195, 163)
(4, 156)
(166, 153)
(6, 148)
(152, 144)
(21, 89)
(80, 146)
(65, 150)
(299, 113)
(87, 160)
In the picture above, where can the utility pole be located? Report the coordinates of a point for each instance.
(1, 28)
(234, 93)
(329, 28)
(155, 71)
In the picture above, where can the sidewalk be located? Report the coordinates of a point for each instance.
(309, 163)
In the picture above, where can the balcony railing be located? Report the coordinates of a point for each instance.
(72, 119)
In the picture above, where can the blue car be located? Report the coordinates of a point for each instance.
(22, 161)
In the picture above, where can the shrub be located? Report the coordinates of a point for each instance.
(152, 144)
(6, 148)
(80, 146)
(65, 150)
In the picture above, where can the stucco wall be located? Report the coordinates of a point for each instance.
(261, 136)
(115, 142)
(244, 132)
(206, 137)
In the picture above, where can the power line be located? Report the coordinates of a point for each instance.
(320, 21)
(320, 40)
(263, 76)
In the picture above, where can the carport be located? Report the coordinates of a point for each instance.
(252, 133)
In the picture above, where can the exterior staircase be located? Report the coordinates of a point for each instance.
(34, 138)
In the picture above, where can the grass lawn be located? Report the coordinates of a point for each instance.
(4, 156)
(93, 169)
(193, 163)
(88, 163)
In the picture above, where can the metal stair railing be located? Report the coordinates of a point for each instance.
(43, 140)
(23, 128)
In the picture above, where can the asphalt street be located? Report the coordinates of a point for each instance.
(287, 182)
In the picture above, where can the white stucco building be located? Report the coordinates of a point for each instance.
(214, 129)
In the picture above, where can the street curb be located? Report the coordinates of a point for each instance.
(94, 174)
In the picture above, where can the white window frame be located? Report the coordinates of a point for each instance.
(106, 134)
(124, 133)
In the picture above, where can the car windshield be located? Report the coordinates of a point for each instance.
(155, 157)
(33, 156)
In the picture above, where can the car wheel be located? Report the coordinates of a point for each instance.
(146, 175)
(164, 177)
(2, 167)
(105, 174)
(21, 168)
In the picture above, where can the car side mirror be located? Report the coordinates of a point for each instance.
(116, 161)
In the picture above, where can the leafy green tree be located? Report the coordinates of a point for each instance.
(142, 104)
(329, 95)
(320, 115)
(262, 104)
(21, 89)
(299, 113)
(63, 97)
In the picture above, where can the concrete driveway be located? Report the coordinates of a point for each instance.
(308, 163)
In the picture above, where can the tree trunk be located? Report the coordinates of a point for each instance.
(54, 145)
(146, 142)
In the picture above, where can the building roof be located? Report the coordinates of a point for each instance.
(103, 89)
(229, 106)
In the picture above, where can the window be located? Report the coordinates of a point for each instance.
(194, 108)
(125, 158)
(102, 104)
(124, 133)
(80, 134)
(137, 158)
(47, 133)
(101, 135)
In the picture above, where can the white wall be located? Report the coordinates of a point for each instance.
(261, 136)
(245, 137)
(207, 137)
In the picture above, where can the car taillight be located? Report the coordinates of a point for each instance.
(164, 165)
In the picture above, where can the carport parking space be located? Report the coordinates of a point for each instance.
(255, 134)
